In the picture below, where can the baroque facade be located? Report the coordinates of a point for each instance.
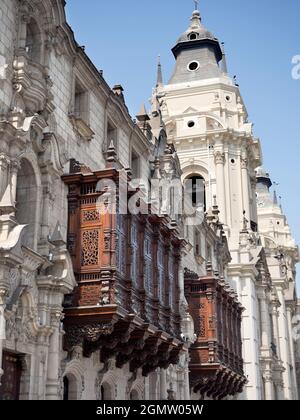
(106, 292)
(207, 121)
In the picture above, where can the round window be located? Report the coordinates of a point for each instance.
(191, 124)
(194, 65)
(228, 98)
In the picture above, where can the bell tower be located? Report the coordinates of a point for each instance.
(207, 121)
(197, 53)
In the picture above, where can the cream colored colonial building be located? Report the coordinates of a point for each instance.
(60, 119)
(61, 129)
(56, 107)
(207, 120)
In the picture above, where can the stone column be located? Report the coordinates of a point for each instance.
(221, 199)
(4, 162)
(14, 168)
(265, 348)
(53, 385)
(253, 193)
(187, 393)
(3, 293)
(153, 386)
(245, 186)
(265, 321)
(275, 316)
(284, 344)
(279, 389)
(289, 311)
(163, 384)
(269, 386)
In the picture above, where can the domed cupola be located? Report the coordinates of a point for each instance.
(197, 35)
(197, 52)
(263, 178)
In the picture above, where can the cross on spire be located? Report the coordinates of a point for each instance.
(196, 4)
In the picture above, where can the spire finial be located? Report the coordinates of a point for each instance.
(224, 61)
(275, 199)
(280, 203)
(159, 80)
(196, 17)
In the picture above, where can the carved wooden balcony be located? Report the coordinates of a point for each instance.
(216, 363)
(126, 302)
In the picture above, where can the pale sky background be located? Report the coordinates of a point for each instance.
(261, 37)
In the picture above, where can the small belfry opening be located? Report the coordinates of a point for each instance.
(26, 202)
(193, 36)
(196, 191)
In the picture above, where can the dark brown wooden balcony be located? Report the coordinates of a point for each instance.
(126, 303)
(216, 365)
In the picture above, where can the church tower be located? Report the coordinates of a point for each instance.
(282, 256)
(206, 119)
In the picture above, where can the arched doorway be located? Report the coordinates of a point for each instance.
(106, 392)
(134, 395)
(70, 388)
(26, 202)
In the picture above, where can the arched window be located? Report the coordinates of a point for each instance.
(193, 36)
(195, 189)
(33, 44)
(66, 388)
(26, 199)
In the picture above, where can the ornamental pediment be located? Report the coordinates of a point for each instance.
(190, 110)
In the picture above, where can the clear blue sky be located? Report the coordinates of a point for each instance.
(124, 39)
